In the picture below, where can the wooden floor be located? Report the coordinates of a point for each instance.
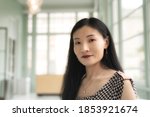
(35, 97)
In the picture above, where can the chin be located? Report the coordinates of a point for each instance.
(88, 64)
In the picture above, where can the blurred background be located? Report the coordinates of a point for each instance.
(34, 41)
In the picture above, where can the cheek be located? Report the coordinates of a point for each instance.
(99, 51)
(99, 47)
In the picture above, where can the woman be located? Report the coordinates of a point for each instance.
(93, 70)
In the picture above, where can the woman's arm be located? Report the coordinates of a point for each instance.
(128, 92)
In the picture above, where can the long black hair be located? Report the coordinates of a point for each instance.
(75, 70)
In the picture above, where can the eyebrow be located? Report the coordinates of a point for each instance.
(90, 35)
(76, 38)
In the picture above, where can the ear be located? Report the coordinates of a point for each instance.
(106, 43)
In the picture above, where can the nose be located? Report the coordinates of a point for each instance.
(84, 48)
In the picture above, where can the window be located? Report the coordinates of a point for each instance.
(42, 23)
(128, 6)
(61, 22)
(133, 39)
(59, 46)
(133, 24)
(133, 57)
(115, 11)
(41, 54)
(52, 37)
(128, 33)
(30, 21)
(81, 15)
(29, 53)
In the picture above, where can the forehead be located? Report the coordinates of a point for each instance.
(84, 31)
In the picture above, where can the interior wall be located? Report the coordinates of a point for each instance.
(11, 17)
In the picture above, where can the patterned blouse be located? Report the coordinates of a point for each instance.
(112, 90)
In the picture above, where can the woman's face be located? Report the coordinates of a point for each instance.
(89, 45)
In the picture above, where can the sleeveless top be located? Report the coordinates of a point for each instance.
(112, 90)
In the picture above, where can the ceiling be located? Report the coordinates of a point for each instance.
(65, 4)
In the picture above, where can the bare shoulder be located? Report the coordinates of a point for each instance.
(123, 75)
(128, 89)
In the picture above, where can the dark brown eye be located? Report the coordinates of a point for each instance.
(91, 40)
(77, 43)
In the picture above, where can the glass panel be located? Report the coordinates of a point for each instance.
(133, 24)
(1, 77)
(11, 56)
(137, 75)
(41, 54)
(2, 63)
(61, 22)
(142, 94)
(59, 45)
(95, 14)
(117, 49)
(116, 37)
(129, 5)
(30, 23)
(115, 33)
(133, 57)
(115, 11)
(29, 54)
(82, 15)
(42, 21)
(2, 39)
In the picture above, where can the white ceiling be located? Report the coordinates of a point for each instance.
(65, 3)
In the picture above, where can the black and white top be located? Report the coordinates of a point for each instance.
(112, 90)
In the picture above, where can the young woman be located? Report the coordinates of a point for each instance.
(93, 70)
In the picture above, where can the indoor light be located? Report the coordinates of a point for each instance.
(34, 6)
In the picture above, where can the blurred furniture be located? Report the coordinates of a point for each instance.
(48, 84)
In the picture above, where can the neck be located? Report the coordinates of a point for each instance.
(95, 71)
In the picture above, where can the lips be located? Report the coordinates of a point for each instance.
(86, 56)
